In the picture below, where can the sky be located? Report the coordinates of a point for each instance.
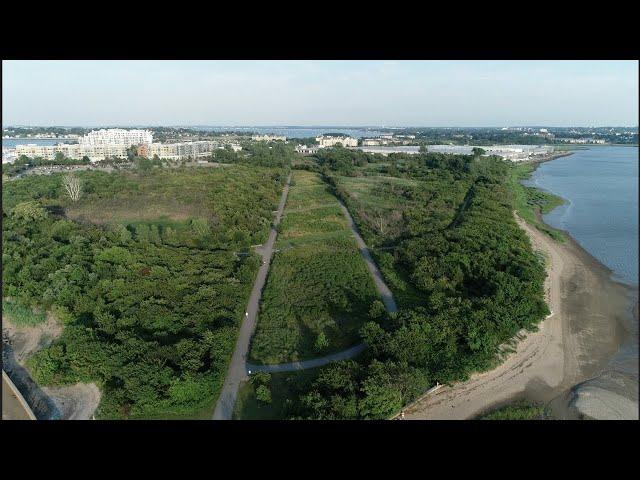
(320, 93)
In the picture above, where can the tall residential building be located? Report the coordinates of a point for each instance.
(117, 136)
(184, 150)
(113, 143)
(74, 150)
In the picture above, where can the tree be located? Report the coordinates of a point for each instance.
(376, 310)
(260, 378)
(132, 152)
(321, 342)
(29, 211)
(263, 394)
(477, 151)
(72, 185)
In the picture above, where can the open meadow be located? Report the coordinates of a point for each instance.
(319, 291)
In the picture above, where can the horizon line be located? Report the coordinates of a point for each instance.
(310, 126)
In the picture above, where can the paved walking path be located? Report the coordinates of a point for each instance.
(304, 364)
(383, 290)
(237, 368)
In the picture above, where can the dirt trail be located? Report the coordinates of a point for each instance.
(77, 402)
(573, 345)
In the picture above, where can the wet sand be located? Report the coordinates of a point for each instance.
(581, 363)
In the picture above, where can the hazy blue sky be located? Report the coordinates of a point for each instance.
(384, 93)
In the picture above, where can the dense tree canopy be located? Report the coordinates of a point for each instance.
(150, 304)
(463, 272)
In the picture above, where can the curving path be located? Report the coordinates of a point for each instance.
(237, 368)
(304, 364)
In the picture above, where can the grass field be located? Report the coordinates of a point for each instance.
(517, 411)
(283, 388)
(319, 290)
(179, 205)
(21, 316)
(381, 205)
(367, 190)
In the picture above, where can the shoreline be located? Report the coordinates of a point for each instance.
(582, 361)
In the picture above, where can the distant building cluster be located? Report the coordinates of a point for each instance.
(330, 141)
(388, 139)
(515, 153)
(113, 143)
(269, 138)
(182, 150)
(599, 141)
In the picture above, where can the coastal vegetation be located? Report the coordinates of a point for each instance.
(150, 269)
(319, 291)
(442, 230)
(149, 272)
(531, 202)
(522, 410)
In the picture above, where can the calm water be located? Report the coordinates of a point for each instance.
(298, 132)
(600, 186)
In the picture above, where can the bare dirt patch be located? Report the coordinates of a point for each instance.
(134, 210)
(75, 402)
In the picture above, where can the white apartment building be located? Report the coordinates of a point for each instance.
(8, 155)
(329, 141)
(269, 138)
(306, 150)
(117, 136)
(101, 144)
(74, 150)
(184, 150)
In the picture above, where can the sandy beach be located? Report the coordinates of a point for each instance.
(580, 363)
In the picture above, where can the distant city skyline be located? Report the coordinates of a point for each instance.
(300, 126)
(243, 94)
